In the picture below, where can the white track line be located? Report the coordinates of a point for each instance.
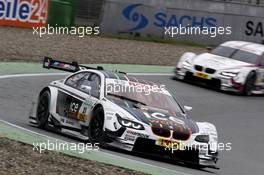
(152, 74)
(57, 74)
(30, 75)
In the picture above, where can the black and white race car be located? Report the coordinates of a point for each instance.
(233, 66)
(118, 110)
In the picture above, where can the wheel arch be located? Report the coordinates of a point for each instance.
(96, 107)
(53, 97)
(247, 89)
(43, 90)
(254, 71)
(244, 72)
(43, 121)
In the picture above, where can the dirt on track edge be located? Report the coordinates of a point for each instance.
(20, 158)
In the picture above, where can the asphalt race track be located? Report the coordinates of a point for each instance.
(239, 120)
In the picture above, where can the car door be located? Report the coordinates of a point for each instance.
(90, 85)
(77, 97)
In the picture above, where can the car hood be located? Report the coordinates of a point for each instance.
(159, 118)
(218, 62)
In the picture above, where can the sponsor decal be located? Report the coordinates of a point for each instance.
(66, 121)
(24, 13)
(69, 122)
(160, 120)
(201, 75)
(129, 137)
(134, 133)
(89, 103)
(64, 66)
(255, 29)
(82, 116)
(109, 115)
(68, 106)
(163, 119)
(169, 144)
(127, 147)
(168, 124)
(131, 14)
(161, 19)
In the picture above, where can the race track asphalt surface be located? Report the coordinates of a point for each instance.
(239, 120)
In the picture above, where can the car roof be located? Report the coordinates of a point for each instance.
(254, 48)
(121, 76)
(113, 75)
(126, 77)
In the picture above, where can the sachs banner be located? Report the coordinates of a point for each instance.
(24, 13)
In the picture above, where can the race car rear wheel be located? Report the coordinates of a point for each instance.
(43, 107)
(250, 84)
(96, 127)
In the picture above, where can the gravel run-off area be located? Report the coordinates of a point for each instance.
(19, 44)
(19, 158)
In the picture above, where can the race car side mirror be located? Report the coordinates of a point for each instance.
(188, 108)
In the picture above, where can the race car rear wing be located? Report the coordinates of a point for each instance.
(50, 63)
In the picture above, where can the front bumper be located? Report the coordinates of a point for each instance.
(148, 146)
(189, 155)
(215, 82)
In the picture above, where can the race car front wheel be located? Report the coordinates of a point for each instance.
(250, 84)
(96, 127)
(43, 109)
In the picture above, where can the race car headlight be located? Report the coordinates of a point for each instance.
(202, 138)
(229, 74)
(129, 124)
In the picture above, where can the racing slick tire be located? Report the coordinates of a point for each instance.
(43, 108)
(96, 127)
(250, 84)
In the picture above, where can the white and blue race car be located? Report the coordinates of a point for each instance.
(233, 66)
(108, 108)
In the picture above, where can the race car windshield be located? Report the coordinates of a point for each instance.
(224, 51)
(245, 56)
(236, 54)
(161, 100)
